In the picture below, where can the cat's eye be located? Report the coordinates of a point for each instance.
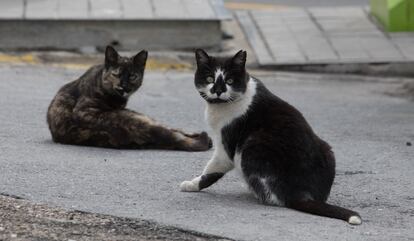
(115, 72)
(229, 81)
(133, 76)
(210, 79)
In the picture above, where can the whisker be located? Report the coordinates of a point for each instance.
(202, 94)
(230, 100)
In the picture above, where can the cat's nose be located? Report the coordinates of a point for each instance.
(216, 89)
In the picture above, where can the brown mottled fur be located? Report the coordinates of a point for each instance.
(91, 111)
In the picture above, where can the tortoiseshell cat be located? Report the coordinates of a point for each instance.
(267, 140)
(91, 111)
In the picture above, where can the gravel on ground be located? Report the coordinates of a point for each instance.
(24, 220)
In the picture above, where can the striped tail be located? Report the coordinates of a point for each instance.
(326, 210)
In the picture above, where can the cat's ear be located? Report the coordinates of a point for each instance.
(111, 56)
(202, 57)
(140, 59)
(239, 59)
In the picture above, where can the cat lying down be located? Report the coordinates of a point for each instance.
(91, 111)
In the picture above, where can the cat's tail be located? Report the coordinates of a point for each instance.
(326, 210)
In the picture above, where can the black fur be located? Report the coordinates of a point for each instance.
(281, 156)
(276, 141)
(209, 179)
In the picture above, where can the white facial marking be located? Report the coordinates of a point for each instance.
(219, 115)
(206, 90)
(225, 95)
(219, 72)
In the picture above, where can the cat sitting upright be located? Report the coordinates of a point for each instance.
(281, 159)
(91, 111)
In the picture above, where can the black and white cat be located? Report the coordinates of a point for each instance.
(282, 160)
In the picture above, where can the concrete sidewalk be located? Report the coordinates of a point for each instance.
(127, 24)
(322, 35)
(368, 130)
(112, 9)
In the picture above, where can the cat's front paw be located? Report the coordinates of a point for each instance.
(189, 186)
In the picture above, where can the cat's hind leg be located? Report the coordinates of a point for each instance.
(193, 135)
(165, 138)
(128, 129)
(260, 170)
(262, 187)
(156, 136)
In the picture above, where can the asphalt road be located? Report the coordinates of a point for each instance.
(368, 130)
(307, 3)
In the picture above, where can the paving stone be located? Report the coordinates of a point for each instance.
(316, 50)
(327, 35)
(261, 51)
(153, 24)
(380, 48)
(198, 9)
(337, 12)
(11, 9)
(106, 9)
(303, 27)
(351, 12)
(349, 48)
(133, 9)
(41, 9)
(114, 9)
(169, 9)
(219, 9)
(286, 52)
(336, 25)
(73, 9)
(292, 13)
(405, 43)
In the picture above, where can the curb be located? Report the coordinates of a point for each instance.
(183, 61)
(385, 69)
(69, 60)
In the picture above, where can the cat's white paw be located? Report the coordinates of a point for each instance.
(189, 186)
(355, 220)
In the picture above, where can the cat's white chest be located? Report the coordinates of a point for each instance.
(220, 115)
(237, 162)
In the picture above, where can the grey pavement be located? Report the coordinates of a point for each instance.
(112, 9)
(128, 24)
(322, 35)
(369, 132)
